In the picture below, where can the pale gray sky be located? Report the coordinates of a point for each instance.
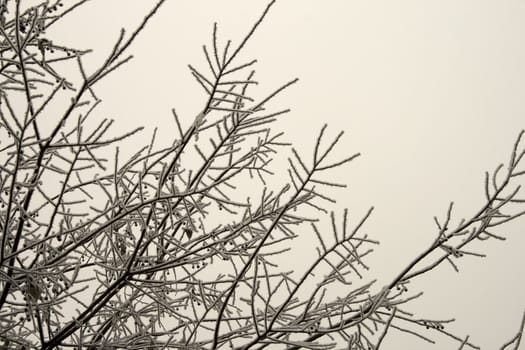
(431, 92)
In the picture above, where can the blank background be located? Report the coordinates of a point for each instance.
(430, 92)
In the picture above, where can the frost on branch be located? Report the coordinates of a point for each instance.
(178, 247)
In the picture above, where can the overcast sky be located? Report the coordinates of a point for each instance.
(432, 93)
